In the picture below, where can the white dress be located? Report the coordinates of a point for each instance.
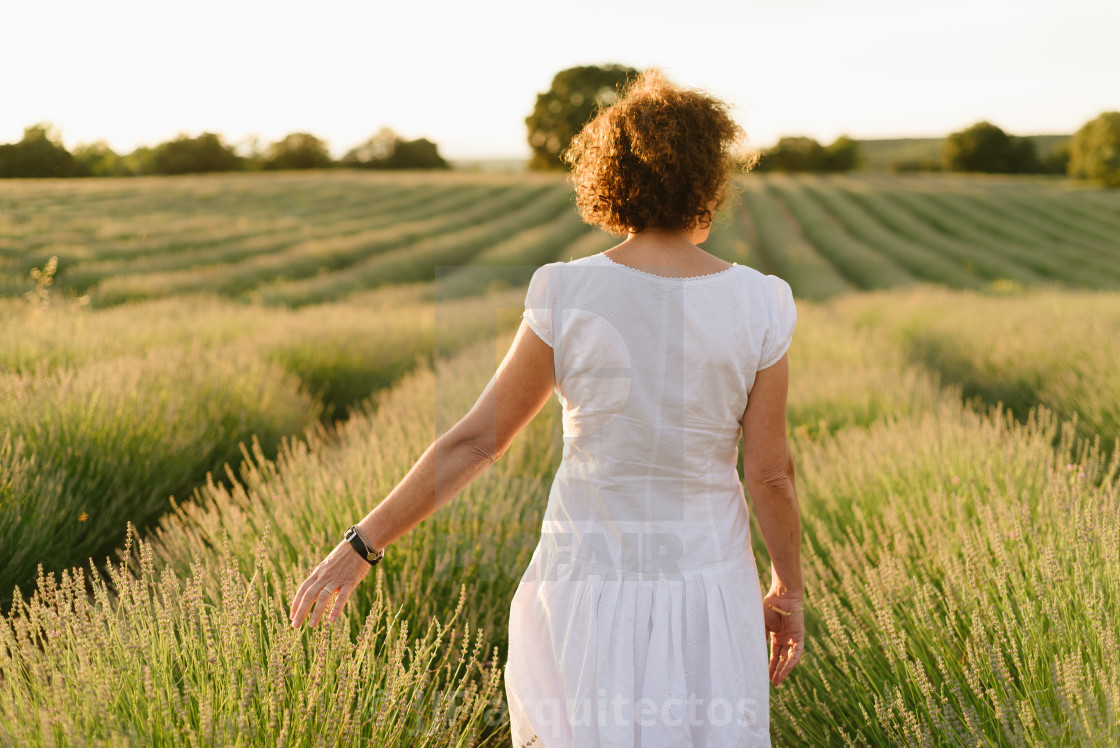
(638, 621)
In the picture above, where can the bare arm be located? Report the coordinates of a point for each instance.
(768, 469)
(515, 394)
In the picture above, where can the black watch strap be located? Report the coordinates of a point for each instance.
(354, 537)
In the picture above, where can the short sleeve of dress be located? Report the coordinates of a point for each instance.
(540, 300)
(783, 319)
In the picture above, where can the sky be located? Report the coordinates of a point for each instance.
(466, 74)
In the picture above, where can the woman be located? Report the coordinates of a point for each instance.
(639, 620)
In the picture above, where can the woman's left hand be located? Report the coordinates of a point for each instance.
(340, 571)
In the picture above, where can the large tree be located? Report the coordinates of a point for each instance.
(984, 147)
(97, 160)
(373, 152)
(39, 154)
(793, 153)
(187, 155)
(800, 153)
(387, 150)
(1094, 152)
(562, 111)
(300, 150)
(416, 154)
(843, 154)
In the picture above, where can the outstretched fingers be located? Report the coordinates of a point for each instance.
(789, 656)
(343, 595)
(313, 592)
(296, 613)
(775, 657)
(321, 600)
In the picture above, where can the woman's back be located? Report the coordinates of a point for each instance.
(653, 373)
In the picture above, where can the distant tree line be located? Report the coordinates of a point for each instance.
(41, 154)
(1092, 153)
(986, 148)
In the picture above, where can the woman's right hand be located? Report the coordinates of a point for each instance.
(785, 634)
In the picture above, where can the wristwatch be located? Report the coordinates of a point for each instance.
(355, 538)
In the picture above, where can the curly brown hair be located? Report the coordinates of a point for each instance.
(655, 158)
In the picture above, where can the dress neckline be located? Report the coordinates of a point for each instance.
(716, 274)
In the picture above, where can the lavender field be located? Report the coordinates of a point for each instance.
(205, 380)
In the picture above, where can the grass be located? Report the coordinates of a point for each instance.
(1018, 350)
(860, 264)
(912, 557)
(783, 248)
(922, 261)
(909, 216)
(210, 659)
(965, 600)
(93, 447)
(107, 413)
